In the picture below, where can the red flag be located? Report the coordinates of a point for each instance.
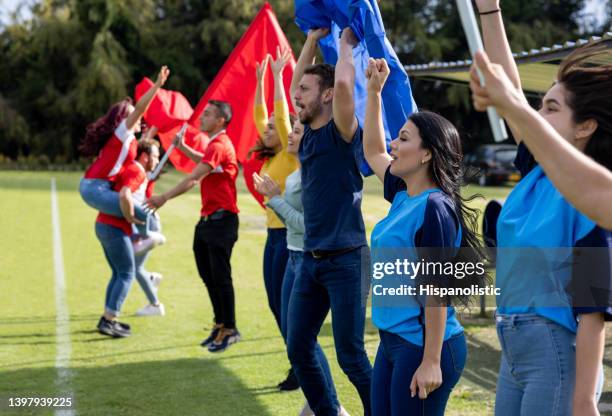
(236, 81)
(168, 111)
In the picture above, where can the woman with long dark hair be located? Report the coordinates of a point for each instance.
(279, 164)
(111, 140)
(552, 345)
(422, 348)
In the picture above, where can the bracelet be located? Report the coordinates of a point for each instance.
(490, 12)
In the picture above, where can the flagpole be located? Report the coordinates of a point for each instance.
(153, 175)
(470, 27)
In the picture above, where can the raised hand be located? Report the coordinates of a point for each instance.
(318, 34)
(498, 90)
(282, 57)
(377, 73)
(179, 140)
(164, 72)
(261, 67)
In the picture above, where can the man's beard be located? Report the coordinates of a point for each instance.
(309, 117)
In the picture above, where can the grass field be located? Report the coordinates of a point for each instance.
(161, 369)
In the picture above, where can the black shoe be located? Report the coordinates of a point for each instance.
(112, 329)
(229, 339)
(121, 324)
(211, 337)
(290, 383)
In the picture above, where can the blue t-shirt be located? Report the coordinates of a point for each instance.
(537, 232)
(332, 189)
(425, 220)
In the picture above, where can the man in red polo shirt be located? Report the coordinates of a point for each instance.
(217, 230)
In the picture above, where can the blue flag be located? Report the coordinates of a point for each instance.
(363, 16)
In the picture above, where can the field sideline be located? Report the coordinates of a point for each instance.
(161, 369)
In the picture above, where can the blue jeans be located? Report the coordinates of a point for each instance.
(538, 367)
(274, 264)
(330, 283)
(144, 278)
(396, 362)
(98, 194)
(294, 265)
(120, 256)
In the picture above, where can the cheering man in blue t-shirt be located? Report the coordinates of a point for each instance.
(334, 239)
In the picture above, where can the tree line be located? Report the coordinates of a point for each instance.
(69, 60)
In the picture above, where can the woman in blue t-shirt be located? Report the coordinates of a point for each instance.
(422, 348)
(552, 345)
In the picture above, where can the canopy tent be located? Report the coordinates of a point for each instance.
(537, 67)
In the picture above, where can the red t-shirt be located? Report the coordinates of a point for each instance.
(134, 177)
(150, 189)
(118, 151)
(218, 188)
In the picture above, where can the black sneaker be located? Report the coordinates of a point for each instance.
(112, 329)
(290, 383)
(229, 339)
(121, 324)
(211, 337)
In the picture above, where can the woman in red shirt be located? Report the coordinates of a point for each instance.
(111, 139)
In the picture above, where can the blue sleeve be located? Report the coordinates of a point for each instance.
(392, 185)
(524, 160)
(591, 286)
(440, 224)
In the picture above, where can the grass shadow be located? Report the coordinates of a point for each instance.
(174, 387)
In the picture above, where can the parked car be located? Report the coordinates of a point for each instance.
(494, 164)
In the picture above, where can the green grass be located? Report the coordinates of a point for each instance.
(161, 369)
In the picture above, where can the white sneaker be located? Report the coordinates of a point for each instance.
(306, 410)
(152, 310)
(145, 244)
(156, 279)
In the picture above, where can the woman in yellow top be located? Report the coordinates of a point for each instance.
(274, 132)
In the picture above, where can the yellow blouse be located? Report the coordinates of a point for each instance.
(282, 164)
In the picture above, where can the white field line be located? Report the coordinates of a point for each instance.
(62, 320)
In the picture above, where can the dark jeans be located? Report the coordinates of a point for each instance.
(294, 265)
(274, 264)
(212, 246)
(396, 362)
(330, 283)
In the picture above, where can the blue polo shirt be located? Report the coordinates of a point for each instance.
(425, 220)
(537, 232)
(332, 189)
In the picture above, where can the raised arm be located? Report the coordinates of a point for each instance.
(281, 109)
(495, 40)
(260, 111)
(344, 86)
(374, 146)
(497, 46)
(586, 184)
(306, 58)
(144, 102)
(191, 153)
